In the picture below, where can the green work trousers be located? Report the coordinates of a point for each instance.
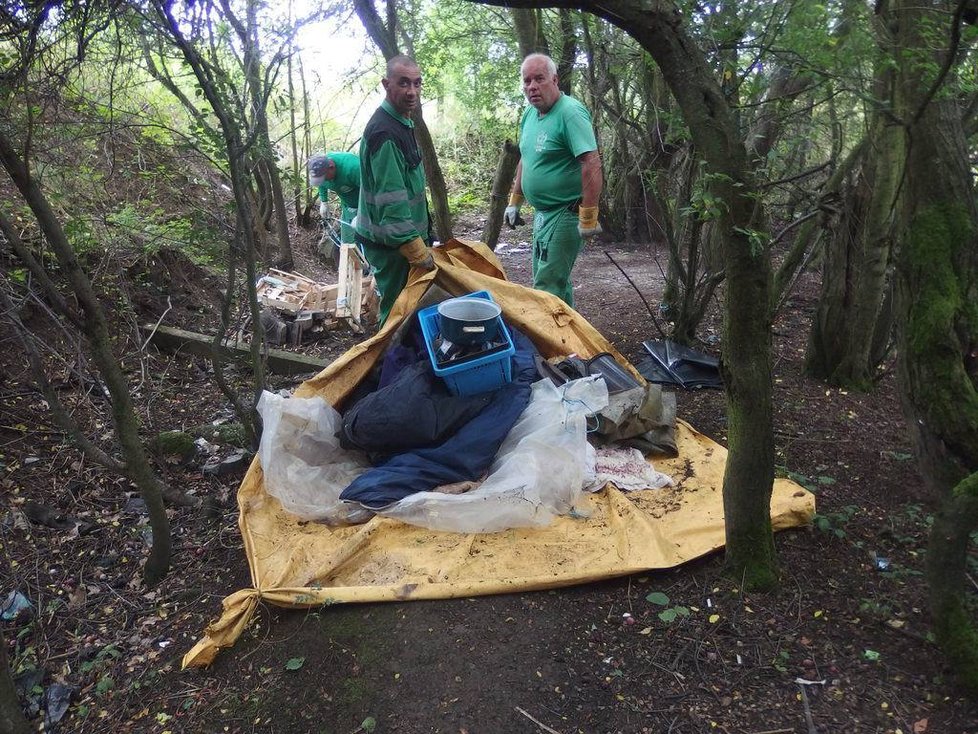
(390, 270)
(556, 244)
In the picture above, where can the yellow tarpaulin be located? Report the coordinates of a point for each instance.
(304, 564)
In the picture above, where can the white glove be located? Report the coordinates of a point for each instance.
(512, 216)
(323, 210)
(353, 219)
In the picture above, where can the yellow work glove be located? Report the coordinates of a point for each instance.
(587, 221)
(418, 254)
(512, 214)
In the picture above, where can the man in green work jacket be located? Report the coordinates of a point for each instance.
(338, 172)
(393, 226)
(559, 173)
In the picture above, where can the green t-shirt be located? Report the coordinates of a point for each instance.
(549, 147)
(346, 182)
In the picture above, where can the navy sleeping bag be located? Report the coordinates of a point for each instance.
(465, 455)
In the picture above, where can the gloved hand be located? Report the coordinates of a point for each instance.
(512, 214)
(587, 221)
(353, 219)
(418, 254)
(323, 210)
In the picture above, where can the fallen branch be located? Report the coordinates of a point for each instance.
(632, 284)
(538, 723)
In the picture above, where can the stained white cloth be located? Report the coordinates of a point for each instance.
(627, 469)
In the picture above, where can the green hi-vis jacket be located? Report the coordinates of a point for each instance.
(346, 182)
(393, 208)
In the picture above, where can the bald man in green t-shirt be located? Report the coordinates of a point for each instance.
(559, 173)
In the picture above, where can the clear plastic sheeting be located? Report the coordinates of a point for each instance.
(539, 471)
(304, 466)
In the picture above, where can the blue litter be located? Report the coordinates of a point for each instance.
(15, 605)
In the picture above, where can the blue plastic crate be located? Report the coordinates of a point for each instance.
(476, 374)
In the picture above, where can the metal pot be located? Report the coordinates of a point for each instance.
(467, 321)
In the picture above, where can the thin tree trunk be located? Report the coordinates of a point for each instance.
(749, 476)
(264, 150)
(96, 330)
(237, 160)
(502, 182)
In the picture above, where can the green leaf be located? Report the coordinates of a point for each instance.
(657, 597)
(104, 685)
(668, 615)
(871, 655)
(369, 724)
(294, 663)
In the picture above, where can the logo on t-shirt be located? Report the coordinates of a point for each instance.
(541, 141)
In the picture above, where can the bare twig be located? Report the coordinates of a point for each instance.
(808, 710)
(169, 305)
(543, 726)
(640, 295)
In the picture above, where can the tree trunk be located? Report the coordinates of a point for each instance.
(855, 271)
(12, 719)
(502, 182)
(246, 229)
(947, 553)
(937, 296)
(568, 53)
(441, 217)
(264, 150)
(749, 476)
(528, 24)
(96, 331)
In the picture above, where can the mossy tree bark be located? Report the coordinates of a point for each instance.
(852, 319)
(749, 477)
(937, 296)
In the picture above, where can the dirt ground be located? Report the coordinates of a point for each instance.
(850, 617)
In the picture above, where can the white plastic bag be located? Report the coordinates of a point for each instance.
(305, 468)
(538, 472)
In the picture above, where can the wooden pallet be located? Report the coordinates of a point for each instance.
(352, 300)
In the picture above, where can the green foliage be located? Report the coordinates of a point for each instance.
(673, 613)
(174, 443)
(781, 660)
(657, 597)
(147, 227)
(468, 156)
(834, 522)
(812, 484)
(669, 614)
